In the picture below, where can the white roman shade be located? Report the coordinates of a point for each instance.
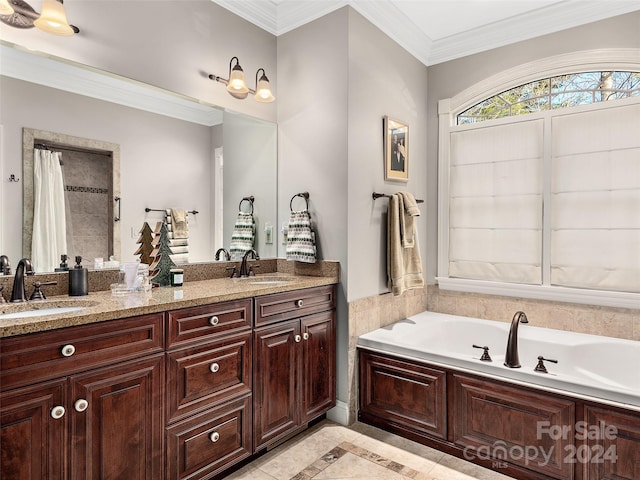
(595, 199)
(495, 209)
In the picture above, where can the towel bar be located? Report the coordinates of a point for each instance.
(378, 195)
(147, 209)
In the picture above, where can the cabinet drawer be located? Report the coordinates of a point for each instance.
(283, 306)
(27, 359)
(403, 394)
(207, 322)
(199, 376)
(206, 444)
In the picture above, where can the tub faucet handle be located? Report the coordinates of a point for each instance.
(485, 355)
(540, 366)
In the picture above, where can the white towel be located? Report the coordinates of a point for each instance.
(301, 240)
(404, 264)
(179, 223)
(243, 235)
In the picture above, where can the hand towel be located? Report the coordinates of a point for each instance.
(243, 235)
(179, 223)
(301, 240)
(409, 206)
(404, 264)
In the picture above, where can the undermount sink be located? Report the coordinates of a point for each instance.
(33, 309)
(267, 280)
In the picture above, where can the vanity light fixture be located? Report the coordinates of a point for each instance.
(53, 19)
(237, 87)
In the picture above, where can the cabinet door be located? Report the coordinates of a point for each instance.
(276, 407)
(32, 441)
(119, 434)
(318, 364)
(612, 445)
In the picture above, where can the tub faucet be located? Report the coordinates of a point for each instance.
(511, 359)
(19, 294)
(225, 253)
(244, 270)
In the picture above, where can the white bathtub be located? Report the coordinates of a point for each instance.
(589, 366)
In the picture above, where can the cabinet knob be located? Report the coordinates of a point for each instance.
(305, 336)
(297, 338)
(57, 412)
(214, 367)
(214, 437)
(81, 405)
(299, 303)
(214, 320)
(68, 350)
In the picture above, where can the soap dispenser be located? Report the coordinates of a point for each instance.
(63, 264)
(78, 279)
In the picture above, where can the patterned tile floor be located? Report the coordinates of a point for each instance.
(328, 451)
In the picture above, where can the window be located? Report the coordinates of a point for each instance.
(544, 205)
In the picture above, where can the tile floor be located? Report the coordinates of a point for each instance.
(328, 451)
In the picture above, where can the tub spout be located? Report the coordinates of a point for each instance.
(511, 358)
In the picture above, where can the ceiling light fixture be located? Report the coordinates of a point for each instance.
(19, 14)
(237, 86)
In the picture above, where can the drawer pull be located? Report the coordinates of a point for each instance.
(214, 367)
(305, 336)
(68, 350)
(297, 338)
(299, 303)
(214, 437)
(57, 412)
(81, 405)
(214, 320)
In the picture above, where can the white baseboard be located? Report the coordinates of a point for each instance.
(339, 413)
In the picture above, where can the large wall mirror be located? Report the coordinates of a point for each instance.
(174, 153)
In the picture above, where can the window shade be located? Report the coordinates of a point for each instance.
(495, 210)
(595, 199)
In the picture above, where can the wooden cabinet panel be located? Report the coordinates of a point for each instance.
(119, 435)
(199, 376)
(405, 394)
(318, 364)
(490, 414)
(27, 359)
(205, 444)
(32, 443)
(284, 306)
(276, 373)
(207, 322)
(611, 447)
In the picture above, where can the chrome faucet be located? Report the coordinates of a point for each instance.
(19, 293)
(244, 270)
(511, 359)
(224, 251)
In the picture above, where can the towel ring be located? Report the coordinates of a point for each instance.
(249, 199)
(304, 195)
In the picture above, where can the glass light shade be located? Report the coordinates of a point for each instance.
(263, 91)
(6, 8)
(236, 84)
(53, 19)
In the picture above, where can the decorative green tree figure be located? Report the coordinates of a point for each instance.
(146, 244)
(162, 264)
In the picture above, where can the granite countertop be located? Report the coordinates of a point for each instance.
(101, 306)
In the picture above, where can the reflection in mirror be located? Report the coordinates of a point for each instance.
(175, 152)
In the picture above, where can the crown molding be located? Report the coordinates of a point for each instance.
(263, 14)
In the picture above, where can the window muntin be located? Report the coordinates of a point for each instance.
(561, 91)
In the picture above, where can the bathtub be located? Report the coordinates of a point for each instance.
(591, 367)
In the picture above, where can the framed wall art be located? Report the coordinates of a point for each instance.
(396, 150)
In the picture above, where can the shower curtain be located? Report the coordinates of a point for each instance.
(49, 220)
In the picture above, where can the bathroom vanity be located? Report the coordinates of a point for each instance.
(184, 390)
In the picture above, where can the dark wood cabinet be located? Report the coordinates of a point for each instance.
(409, 396)
(294, 363)
(611, 445)
(101, 383)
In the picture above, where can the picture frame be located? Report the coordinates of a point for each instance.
(396, 149)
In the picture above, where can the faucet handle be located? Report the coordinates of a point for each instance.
(540, 366)
(38, 294)
(233, 271)
(2, 299)
(251, 272)
(485, 355)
